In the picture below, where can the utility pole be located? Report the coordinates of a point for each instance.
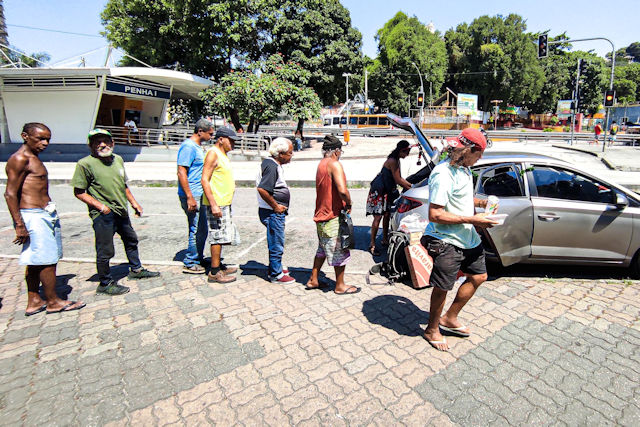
(421, 91)
(366, 92)
(574, 101)
(347, 90)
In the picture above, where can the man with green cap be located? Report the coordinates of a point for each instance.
(100, 181)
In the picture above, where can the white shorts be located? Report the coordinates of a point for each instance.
(44, 246)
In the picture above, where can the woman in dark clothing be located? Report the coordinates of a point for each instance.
(384, 191)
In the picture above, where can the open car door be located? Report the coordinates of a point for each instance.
(511, 240)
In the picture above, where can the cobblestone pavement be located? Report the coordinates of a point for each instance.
(177, 350)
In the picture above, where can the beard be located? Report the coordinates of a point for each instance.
(107, 152)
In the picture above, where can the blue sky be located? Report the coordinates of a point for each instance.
(615, 19)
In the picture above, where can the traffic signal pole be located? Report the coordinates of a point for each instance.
(613, 65)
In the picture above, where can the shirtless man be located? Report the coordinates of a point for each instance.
(36, 221)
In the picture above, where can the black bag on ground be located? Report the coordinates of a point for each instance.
(345, 231)
(396, 267)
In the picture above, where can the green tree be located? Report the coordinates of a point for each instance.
(263, 90)
(627, 78)
(495, 58)
(198, 36)
(317, 34)
(403, 42)
(212, 38)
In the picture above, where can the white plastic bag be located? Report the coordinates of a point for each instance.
(413, 223)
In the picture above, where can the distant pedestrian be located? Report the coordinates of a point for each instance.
(384, 191)
(219, 186)
(613, 131)
(451, 238)
(132, 130)
(36, 221)
(190, 164)
(273, 204)
(597, 129)
(100, 181)
(297, 140)
(332, 196)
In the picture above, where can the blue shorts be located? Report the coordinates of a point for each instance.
(44, 246)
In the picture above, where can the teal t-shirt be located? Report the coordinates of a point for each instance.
(106, 182)
(452, 187)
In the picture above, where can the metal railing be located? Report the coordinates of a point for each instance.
(257, 142)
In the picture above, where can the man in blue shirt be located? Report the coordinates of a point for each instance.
(190, 163)
(451, 238)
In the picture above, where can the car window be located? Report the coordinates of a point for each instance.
(501, 181)
(353, 120)
(383, 121)
(558, 183)
(362, 120)
(373, 120)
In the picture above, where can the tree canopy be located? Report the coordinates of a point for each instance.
(395, 80)
(262, 91)
(198, 36)
(317, 34)
(495, 58)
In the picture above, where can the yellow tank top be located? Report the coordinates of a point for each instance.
(222, 183)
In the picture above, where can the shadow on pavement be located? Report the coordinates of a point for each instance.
(63, 289)
(397, 313)
(255, 268)
(179, 256)
(118, 272)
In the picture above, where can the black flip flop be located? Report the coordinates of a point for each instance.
(66, 307)
(40, 310)
(357, 289)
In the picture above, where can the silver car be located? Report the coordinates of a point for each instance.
(558, 214)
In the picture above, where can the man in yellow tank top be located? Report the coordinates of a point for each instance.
(218, 186)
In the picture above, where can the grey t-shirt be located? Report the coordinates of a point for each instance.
(271, 179)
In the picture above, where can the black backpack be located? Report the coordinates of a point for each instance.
(395, 268)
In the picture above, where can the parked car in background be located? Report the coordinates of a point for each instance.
(558, 214)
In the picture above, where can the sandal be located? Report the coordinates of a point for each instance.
(374, 251)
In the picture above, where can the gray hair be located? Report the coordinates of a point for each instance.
(278, 146)
(203, 125)
(329, 152)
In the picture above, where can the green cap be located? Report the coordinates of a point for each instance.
(97, 131)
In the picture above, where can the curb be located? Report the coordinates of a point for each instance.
(244, 183)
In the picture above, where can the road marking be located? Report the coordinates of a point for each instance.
(262, 239)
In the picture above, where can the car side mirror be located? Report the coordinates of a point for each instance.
(621, 201)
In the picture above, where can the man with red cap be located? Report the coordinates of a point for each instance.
(451, 238)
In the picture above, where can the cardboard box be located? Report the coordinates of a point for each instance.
(420, 265)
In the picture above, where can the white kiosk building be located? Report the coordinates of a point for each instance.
(72, 101)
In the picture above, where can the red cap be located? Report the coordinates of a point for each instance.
(469, 136)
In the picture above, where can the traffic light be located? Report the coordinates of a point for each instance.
(543, 47)
(583, 66)
(609, 98)
(420, 100)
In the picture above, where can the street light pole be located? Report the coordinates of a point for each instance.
(347, 90)
(421, 90)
